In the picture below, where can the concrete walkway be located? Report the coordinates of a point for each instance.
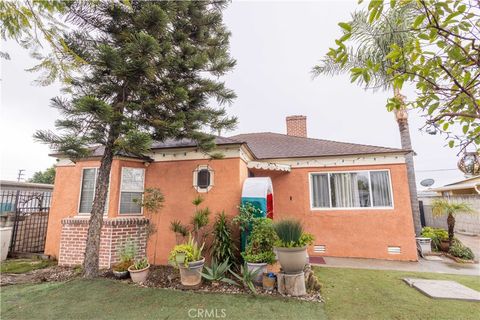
(445, 265)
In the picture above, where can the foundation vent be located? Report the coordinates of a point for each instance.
(319, 249)
(394, 250)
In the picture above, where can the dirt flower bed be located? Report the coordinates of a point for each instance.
(165, 277)
(168, 277)
(54, 273)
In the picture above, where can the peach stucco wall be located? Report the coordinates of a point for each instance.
(174, 179)
(352, 233)
(364, 233)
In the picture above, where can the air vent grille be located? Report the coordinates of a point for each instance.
(394, 250)
(319, 249)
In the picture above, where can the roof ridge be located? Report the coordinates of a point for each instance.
(318, 139)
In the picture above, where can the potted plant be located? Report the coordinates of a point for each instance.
(439, 238)
(127, 255)
(259, 251)
(291, 246)
(188, 259)
(139, 270)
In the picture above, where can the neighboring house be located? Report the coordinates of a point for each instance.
(466, 190)
(468, 186)
(23, 195)
(354, 198)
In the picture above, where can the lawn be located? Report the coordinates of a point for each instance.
(378, 294)
(110, 299)
(349, 294)
(24, 265)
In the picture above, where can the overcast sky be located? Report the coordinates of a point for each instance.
(276, 44)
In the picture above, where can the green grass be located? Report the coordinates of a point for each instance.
(24, 265)
(110, 299)
(348, 293)
(375, 294)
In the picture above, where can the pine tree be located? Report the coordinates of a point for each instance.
(152, 72)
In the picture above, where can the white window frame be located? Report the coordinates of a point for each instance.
(107, 201)
(120, 193)
(312, 208)
(195, 178)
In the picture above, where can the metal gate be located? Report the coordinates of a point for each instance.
(29, 212)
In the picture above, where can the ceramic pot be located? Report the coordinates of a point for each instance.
(252, 267)
(120, 274)
(191, 275)
(444, 245)
(292, 260)
(139, 276)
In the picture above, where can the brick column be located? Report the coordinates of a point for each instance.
(115, 232)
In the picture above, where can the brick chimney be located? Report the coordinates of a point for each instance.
(297, 126)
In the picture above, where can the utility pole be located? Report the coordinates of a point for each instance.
(20, 174)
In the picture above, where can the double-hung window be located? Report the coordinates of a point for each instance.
(87, 190)
(131, 190)
(350, 190)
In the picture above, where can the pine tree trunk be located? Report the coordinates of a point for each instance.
(91, 261)
(402, 120)
(451, 227)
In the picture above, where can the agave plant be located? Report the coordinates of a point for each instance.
(247, 277)
(217, 272)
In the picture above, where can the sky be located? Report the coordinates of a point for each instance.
(276, 44)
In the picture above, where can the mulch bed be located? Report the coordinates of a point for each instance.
(165, 277)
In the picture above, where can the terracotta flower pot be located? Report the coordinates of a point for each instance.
(191, 276)
(252, 267)
(139, 276)
(292, 260)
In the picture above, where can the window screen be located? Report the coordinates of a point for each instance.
(131, 190)
(203, 178)
(361, 189)
(87, 193)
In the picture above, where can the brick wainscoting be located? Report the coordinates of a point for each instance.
(115, 232)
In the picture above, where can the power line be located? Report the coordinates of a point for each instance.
(437, 170)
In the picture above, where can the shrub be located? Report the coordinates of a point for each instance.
(260, 242)
(457, 249)
(140, 264)
(122, 266)
(290, 234)
(223, 247)
(437, 235)
(246, 216)
(128, 251)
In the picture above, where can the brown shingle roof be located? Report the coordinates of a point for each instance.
(268, 145)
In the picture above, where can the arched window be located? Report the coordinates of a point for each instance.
(203, 178)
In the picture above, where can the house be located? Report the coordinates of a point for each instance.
(467, 186)
(353, 198)
(466, 190)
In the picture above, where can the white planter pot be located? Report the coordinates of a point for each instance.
(191, 276)
(5, 238)
(252, 267)
(292, 260)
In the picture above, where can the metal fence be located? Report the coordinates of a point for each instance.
(29, 212)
